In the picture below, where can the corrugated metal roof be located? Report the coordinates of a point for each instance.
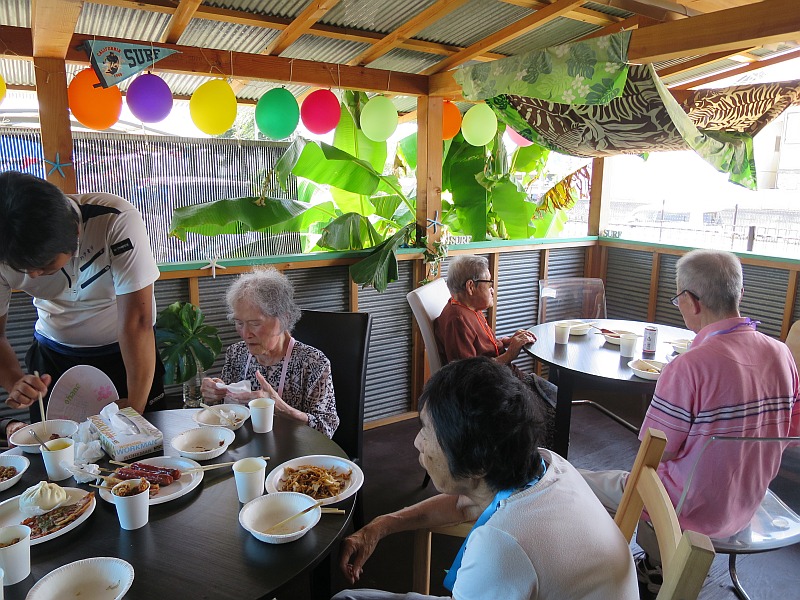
(556, 32)
(407, 61)
(608, 10)
(473, 22)
(16, 13)
(114, 21)
(227, 36)
(311, 47)
(276, 8)
(702, 71)
(374, 15)
(17, 72)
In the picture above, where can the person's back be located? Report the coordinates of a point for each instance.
(564, 543)
(733, 382)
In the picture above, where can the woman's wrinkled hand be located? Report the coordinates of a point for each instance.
(211, 393)
(521, 338)
(355, 551)
(267, 391)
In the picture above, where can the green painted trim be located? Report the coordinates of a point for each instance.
(764, 257)
(529, 242)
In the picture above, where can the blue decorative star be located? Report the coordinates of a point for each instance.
(434, 221)
(58, 165)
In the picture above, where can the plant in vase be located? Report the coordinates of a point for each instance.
(187, 346)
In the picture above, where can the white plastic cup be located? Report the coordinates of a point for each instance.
(2, 575)
(15, 560)
(133, 511)
(262, 413)
(562, 333)
(627, 344)
(249, 474)
(58, 451)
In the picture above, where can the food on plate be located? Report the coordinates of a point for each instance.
(41, 498)
(174, 473)
(9, 543)
(54, 436)
(58, 518)
(110, 482)
(7, 473)
(609, 332)
(126, 473)
(648, 369)
(317, 482)
(130, 489)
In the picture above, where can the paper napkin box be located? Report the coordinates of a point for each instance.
(120, 446)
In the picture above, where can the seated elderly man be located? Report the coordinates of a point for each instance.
(733, 381)
(295, 375)
(540, 533)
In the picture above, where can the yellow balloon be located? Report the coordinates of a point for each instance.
(213, 107)
(2, 88)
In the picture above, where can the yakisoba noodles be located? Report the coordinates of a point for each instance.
(317, 482)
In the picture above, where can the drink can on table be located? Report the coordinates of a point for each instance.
(650, 339)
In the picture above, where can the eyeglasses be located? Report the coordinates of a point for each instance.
(674, 299)
(489, 281)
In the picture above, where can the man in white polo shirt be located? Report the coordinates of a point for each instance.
(86, 260)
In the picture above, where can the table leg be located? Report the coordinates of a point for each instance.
(563, 412)
(320, 579)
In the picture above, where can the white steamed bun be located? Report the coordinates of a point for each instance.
(41, 498)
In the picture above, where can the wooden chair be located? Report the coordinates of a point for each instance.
(686, 558)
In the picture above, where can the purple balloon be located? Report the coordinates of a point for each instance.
(149, 98)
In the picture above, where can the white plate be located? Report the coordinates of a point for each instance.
(10, 514)
(26, 442)
(577, 327)
(13, 460)
(272, 484)
(79, 393)
(195, 443)
(176, 489)
(614, 339)
(100, 578)
(680, 346)
(209, 418)
(637, 366)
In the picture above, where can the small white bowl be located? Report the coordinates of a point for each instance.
(20, 463)
(23, 438)
(638, 367)
(100, 578)
(680, 346)
(203, 443)
(577, 327)
(265, 511)
(210, 418)
(614, 339)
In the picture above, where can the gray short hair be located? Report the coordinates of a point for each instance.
(714, 276)
(270, 291)
(462, 269)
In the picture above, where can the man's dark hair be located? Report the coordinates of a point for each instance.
(486, 422)
(37, 222)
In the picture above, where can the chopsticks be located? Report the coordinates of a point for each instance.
(41, 409)
(333, 511)
(195, 469)
(293, 517)
(652, 365)
(604, 331)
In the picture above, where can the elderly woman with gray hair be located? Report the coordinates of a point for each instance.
(296, 376)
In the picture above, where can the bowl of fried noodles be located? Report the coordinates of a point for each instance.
(328, 479)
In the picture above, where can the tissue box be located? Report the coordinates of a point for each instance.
(124, 447)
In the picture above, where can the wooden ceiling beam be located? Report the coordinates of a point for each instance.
(585, 15)
(697, 62)
(179, 20)
(506, 34)
(300, 25)
(433, 13)
(633, 22)
(52, 25)
(753, 66)
(238, 17)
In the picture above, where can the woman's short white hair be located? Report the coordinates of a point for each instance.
(270, 291)
(465, 268)
(714, 276)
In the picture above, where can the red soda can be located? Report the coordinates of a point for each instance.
(650, 339)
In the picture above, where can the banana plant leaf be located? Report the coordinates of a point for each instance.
(549, 224)
(379, 268)
(185, 342)
(351, 231)
(349, 138)
(324, 212)
(234, 215)
(530, 159)
(510, 203)
(470, 199)
(407, 148)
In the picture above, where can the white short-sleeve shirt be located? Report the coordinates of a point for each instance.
(77, 306)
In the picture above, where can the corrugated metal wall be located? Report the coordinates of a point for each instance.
(628, 284)
(764, 297)
(388, 390)
(518, 296)
(665, 312)
(566, 262)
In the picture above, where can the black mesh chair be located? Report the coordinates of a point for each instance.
(344, 338)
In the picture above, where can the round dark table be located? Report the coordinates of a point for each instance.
(193, 546)
(590, 360)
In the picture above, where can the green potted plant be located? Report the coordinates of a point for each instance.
(187, 346)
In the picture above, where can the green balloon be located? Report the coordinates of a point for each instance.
(379, 119)
(479, 125)
(277, 114)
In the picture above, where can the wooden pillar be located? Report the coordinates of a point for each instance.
(51, 91)
(598, 215)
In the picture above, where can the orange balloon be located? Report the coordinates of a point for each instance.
(451, 120)
(95, 107)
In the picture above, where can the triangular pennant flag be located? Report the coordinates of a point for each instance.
(116, 61)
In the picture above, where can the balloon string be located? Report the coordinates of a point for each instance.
(291, 69)
(211, 66)
(153, 55)
(389, 81)
(231, 64)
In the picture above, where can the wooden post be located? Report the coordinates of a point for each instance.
(51, 91)
(598, 215)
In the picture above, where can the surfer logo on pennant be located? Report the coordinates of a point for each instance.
(114, 62)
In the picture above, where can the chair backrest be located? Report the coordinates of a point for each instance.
(344, 338)
(793, 341)
(427, 303)
(774, 524)
(571, 298)
(685, 558)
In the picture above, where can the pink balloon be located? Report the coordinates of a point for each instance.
(517, 138)
(320, 111)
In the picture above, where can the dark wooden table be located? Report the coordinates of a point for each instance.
(590, 360)
(193, 546)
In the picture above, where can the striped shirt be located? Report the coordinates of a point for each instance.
(741, 383)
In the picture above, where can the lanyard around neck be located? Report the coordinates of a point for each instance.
(284, 367)
(450, 578)
(746, 323)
